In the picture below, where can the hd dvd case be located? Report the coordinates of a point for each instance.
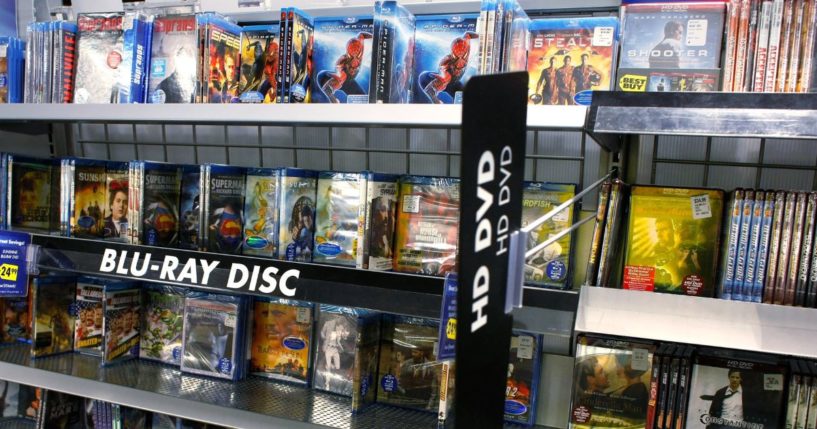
(296, 224)
(569, 57)
(673, 240)
(342, 58)
(51, 318)
(100, 57)
(162, 323)
(223, 209)
(716, 376)
(259, 63)
(161, 186)
(409, 373)
(336, 220)
(551, 266)
(522, 386)
(212, 341)
(282, 339)
(611, 381)
(174, 76)
(443, 60)
(261, 212)
(671, 47)
(190, 207)
(427, 225)
(377, 217)
(123, 305)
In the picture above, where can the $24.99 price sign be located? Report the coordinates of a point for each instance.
(13, 263)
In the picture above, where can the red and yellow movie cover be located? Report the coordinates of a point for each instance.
(223, 61)
(282, 339)
(427, 225)
(568, 57)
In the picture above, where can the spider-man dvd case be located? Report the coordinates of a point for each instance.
(342, 59)
(259, 63)
(445, 57)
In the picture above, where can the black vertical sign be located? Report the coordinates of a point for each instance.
(494, 116)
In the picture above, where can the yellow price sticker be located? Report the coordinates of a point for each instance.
(451, 329)
(8, 272)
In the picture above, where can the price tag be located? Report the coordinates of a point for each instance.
(641, 360)
(230, 321)
(700, 207)
(525, 348)
(14, 263)
(696, 32)
(302, 315)
(604, 36)
(411, 204)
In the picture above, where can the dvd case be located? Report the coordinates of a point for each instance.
(409, 374)
(261, 212)
(174, 76)
(552, 266)
(393, 60)
(427, 225)
(100, 48)
(16, 325)
(88, 323)
(764, 247)
(223, 209)
(30, 196)
(770, 280)
(522, 385)
(594, 257)
(122, 320)
(336, 220)
(729, 258)
(296, 208)
(160, 189)
(568, 57)
(87, 197)
(673, 240)
(300, 44)
(222, 59)
(610, 387)
(442, 57)
(342, 58)
(744, 244)
(162, 323)
(786, 238)
(259, 63)
(213, 343)
(52, 322)
(282, 340)
(376, 221)
(60, 410)
(115, 212)
(190, 206)
(612, 232)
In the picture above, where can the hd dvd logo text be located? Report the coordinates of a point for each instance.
(485, 233)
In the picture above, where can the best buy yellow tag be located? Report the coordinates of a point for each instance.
(632, 83)
(8, 272)
(451, 329)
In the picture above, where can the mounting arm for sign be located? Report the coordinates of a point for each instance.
(519, 254)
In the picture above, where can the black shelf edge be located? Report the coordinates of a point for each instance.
(390, 292)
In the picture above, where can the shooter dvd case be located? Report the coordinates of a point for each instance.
(552, 266)
(261, 212)
(296, 208)
(442, 57)
(409, 373)
(673, 240)
(671, 47)
(336, 220)
(259, 63)
(162, 323)
(611, 383)
(52, 323)
(282, 340)
(569, 57)
(342, 58)
(223, 209)
(718, 375)
(376, 221)
(174, 76)
(427, 225)
(99, 61)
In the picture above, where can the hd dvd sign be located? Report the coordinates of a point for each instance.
(491, 204)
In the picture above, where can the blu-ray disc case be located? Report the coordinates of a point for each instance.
(161, 185)
(16, 325)
(133, 73)
(222, 59)
(100, 48)
(377, 217)
(213, 341)
(223, 229)
(162, 323)
(121, 324)
(336, 222)
(34, 187)
(259, 63)
(115, 223)
(190, 207)
(393, 58)
(261, 212)
(51, 319)
(296, 224)
(445, 57)
(300, 43)
(522, 387)
(88, 185)
(427, 229)
(174, 75)
(282, 339)
(342, 58)
(90, 311)
(552, 266)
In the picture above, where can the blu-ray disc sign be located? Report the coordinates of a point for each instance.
(265, 279)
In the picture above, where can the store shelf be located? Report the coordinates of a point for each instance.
(17, 423)
(383, 291)
(614, 114)
(704, 321)
(362, 115)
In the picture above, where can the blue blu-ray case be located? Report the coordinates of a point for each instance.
(138, 35)
(342, 59)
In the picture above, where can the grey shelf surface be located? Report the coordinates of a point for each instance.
(17, 423)
(252, 403)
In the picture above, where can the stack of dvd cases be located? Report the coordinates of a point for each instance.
(607, 232)
(769, 256)
(32, 194)
(342, 57)
(393, 58)
(12, 70)
(446, 55)
(296, 210)
(295, 56)
(215, 335)
(504, 31)
(569, 57)
(50, 61)
(259, 63)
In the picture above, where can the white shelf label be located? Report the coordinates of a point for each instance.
(641, 360)
(700, 207)
(525, 348)
(604, 36)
